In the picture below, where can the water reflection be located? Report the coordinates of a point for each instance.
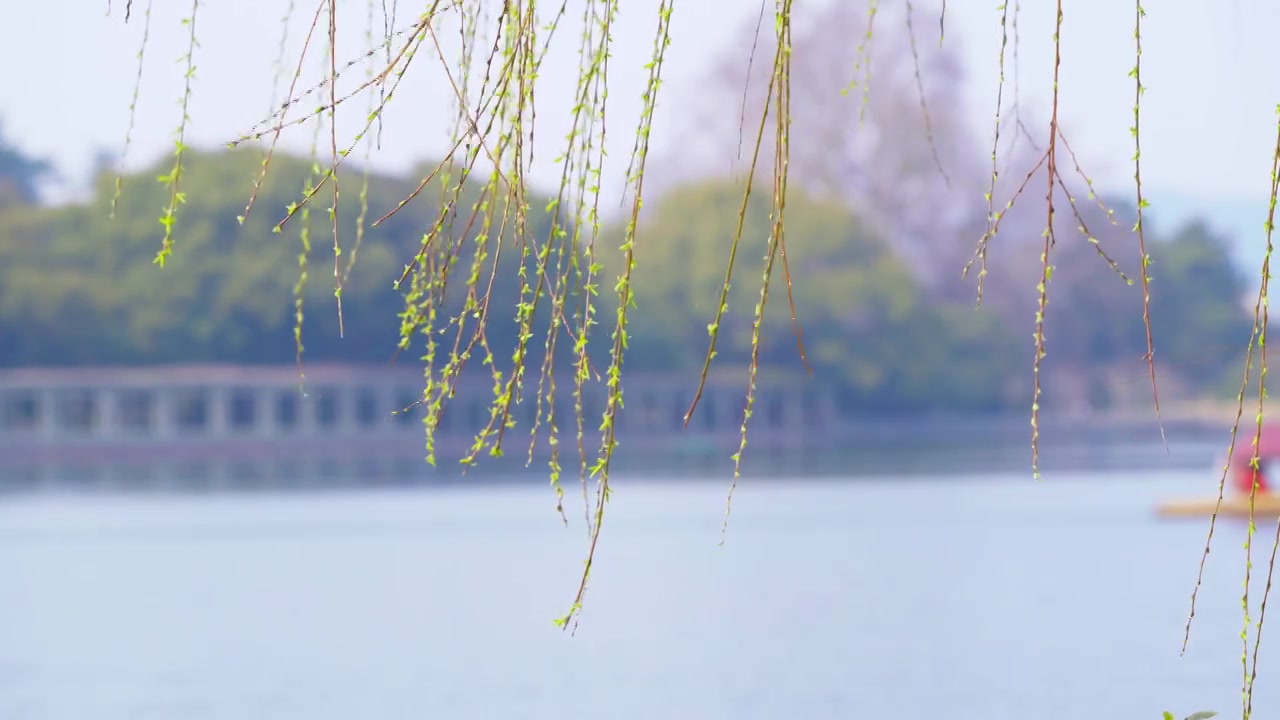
(352, 467)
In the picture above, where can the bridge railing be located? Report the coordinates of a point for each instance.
(74, 406)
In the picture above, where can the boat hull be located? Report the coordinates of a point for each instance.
(1264, 506)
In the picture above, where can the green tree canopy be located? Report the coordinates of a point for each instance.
(866, 324)
(79, 287)
(20, 174)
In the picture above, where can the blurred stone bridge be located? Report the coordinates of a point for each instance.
(87, 418)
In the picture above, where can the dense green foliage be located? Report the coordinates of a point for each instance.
(79, 288)
(20, 174)
(866, 325)
(886, 345)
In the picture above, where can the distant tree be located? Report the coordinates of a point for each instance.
(1197, 305)
(913, 176)
(77, 287)
(868, 329)
(20, 174)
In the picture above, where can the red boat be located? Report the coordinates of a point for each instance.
(1242, 476)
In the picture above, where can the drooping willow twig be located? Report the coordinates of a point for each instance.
(481, 224)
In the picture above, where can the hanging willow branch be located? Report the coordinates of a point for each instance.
(483, 213)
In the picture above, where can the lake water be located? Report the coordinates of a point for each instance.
(960, 597)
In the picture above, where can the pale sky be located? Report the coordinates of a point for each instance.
(1209, 111)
